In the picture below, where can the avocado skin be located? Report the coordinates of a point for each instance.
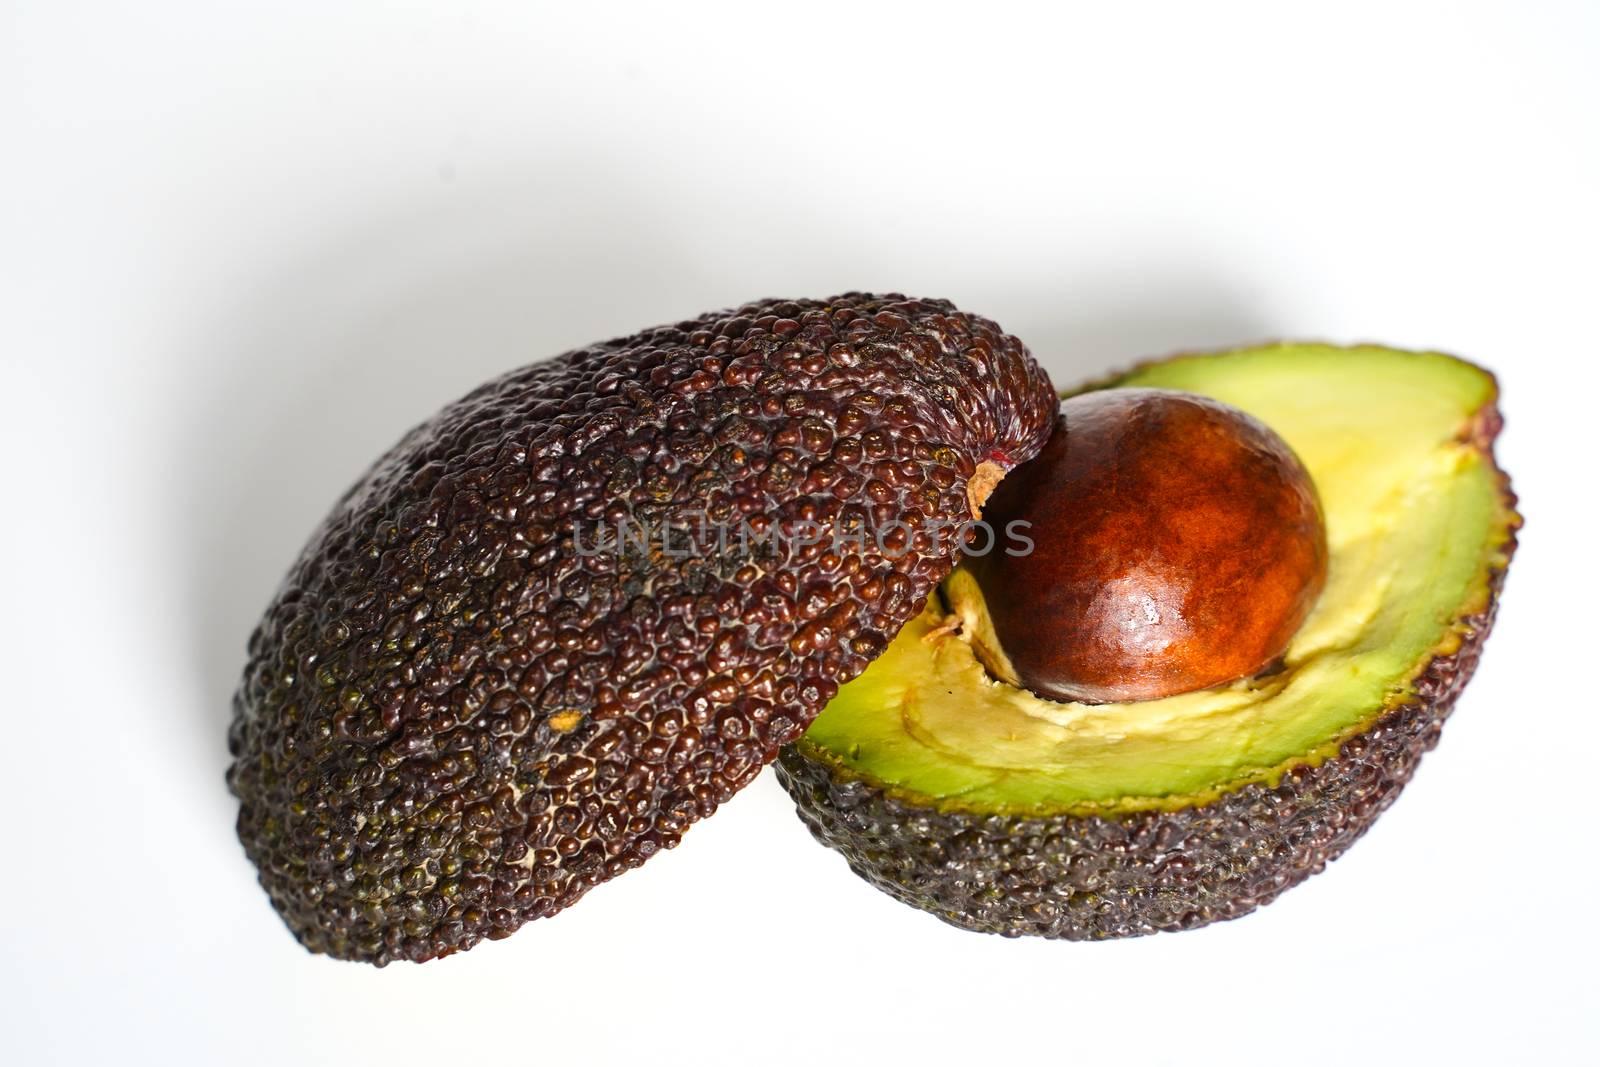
(451, 723)
(1091, 878)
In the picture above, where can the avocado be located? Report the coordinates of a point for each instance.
(579, 608)
(998, 810)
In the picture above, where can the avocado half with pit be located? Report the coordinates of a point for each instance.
(951, 787)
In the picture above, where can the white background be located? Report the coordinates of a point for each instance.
(246, 245)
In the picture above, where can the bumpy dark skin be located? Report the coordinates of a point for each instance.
(1179, 545)
(453, 721)
(1094, 877)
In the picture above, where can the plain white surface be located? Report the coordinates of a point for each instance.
(247, 244)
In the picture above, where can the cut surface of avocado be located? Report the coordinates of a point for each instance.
(1416, 521)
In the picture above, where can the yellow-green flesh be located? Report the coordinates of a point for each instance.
(1416, 522)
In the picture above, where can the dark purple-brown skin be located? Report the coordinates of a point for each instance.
(1178, 545)
(454, 720)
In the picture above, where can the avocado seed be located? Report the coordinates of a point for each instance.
(1178, 544)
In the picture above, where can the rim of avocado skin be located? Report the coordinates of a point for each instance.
(1433, 681)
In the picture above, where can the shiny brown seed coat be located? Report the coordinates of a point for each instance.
(1178, 545)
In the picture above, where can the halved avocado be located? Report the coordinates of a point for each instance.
(1000, 811)
(577, 610)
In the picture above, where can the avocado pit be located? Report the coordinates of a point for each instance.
(1161, 543)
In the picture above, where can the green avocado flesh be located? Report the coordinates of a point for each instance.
(1416, 524)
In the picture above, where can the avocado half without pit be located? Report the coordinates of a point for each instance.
(1249, 588)
(1226, 608)
(576, 610)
